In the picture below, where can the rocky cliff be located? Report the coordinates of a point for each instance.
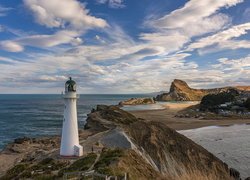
(180, 91)
(164, 152)
(120, 144)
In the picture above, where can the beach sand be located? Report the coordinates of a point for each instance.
(167, 116)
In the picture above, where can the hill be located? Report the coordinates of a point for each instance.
(116, 142)
(180, 91)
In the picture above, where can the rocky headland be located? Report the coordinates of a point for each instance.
(180, 91)
(137, 101)
(116, 143)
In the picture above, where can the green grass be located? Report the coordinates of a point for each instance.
(15, 171)
(107, 157)
(82, 164)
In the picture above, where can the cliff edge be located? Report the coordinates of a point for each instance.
(116, 143)
(180, 91)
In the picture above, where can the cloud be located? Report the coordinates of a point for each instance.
(194, 19)
(192, 12)
(246, 15)
(224, 38)
(42, 41)
(11, 46)
(60, 37)
(112, 3)
(4, 10)
(59, 13)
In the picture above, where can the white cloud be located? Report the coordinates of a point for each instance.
(196, 18)
(112, 3)
(193, 11)
(224, 38)
(42, 41)
(59, 13)
(60, 37)
(11, 46)
(70, 16)
(4, 10)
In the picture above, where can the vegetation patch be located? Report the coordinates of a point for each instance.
(212, 101)
(14, 172)
(108, 156)
(247, 103)
(82, 164)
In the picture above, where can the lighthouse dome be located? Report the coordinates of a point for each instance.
(70, 85)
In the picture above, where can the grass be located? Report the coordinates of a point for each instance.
(82, 164)
(14, 172)
(41, 170)
(107, 157)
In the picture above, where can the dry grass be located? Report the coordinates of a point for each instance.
(199, 176)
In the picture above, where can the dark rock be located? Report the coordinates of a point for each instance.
(21, 140)
(234, 173)
(197, 116)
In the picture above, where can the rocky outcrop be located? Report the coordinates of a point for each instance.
(180, 91)
(161, 148)
(146, 150)
(106, 117)
(137, 101)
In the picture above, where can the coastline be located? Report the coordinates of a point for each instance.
(167, 116)
(221, 137)
(48, 146)
(230, 144)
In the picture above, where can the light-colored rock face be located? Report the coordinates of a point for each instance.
(163, 149)
(137, 101)
(147, 150)
(180, 91)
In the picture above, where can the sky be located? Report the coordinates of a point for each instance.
(123, 46)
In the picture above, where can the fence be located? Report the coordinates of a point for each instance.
(93, 174)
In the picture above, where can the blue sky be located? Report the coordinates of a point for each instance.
(123, 46)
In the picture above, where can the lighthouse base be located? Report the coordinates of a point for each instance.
(78, 150)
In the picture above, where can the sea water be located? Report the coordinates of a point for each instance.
(42, 115)
(231, 144)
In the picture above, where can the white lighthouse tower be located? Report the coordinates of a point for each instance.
(70, 139)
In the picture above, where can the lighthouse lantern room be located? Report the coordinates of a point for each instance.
(70, 139)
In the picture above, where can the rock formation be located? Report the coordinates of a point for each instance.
(137, 101)
(180, 91)
(161, 149)
(123, 144)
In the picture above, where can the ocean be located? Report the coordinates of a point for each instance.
(231, 144)
(42, 115)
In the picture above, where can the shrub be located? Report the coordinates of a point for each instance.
(211, 101)
(82, 164)
(107, 157)
(247, 103)
(15, 171)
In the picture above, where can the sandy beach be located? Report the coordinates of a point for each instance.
(167, 116)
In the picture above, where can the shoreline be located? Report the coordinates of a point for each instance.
(167, 116)
(48, 146)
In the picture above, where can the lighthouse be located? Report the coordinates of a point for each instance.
(70, 139)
